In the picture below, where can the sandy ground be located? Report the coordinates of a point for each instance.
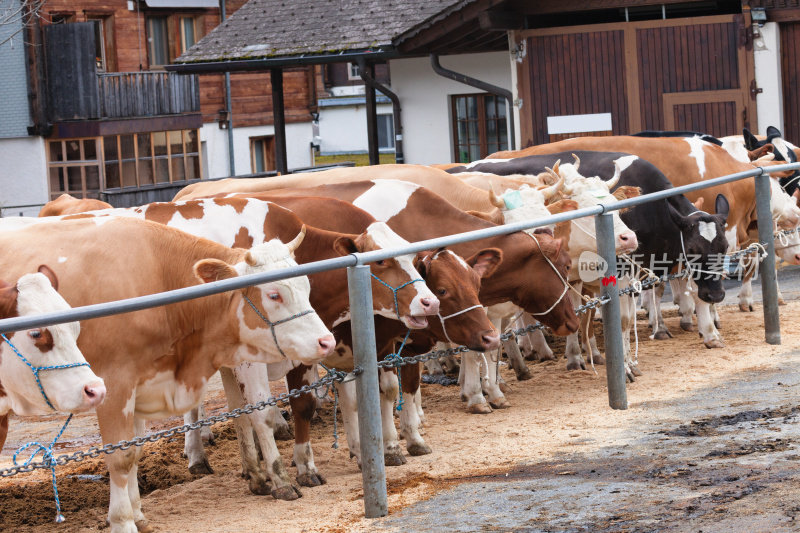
(553, 414)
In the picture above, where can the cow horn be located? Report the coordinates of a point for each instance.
(554, 171)
(577, 162)
(613, 181)
(294, 243)
(551, 191)
(497, 202)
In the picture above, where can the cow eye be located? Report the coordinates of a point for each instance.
(35, 334)
(275, 296)
(441, 292)
(381, 262)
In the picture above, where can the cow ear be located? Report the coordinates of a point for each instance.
(8, 300)
(721, 206)
(626, 191)
(681, 221)
(760, 152)
(345, 246)
(49, 274)
(750, 141)
(698, 204)
(495, 218)
(486, 261)
(561, 206)
(208, 270)
(422, 262)
(773, 132)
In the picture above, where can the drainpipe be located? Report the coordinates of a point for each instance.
(478, 84)
(396, 111)
(228, 106)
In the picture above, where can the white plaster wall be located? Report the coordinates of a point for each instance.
(23, 179)
(298, 141)
(424, 97)
(769, 104)
(344, 128)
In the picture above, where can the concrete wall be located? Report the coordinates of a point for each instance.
(343, 129)
(767, 52)
(23, 179)
(14, 109)
(298, 152)
(424, 97)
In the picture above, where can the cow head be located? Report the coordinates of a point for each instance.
(704, 246)
(540, 288)
(787, 247)
(588, 192)
(783, 152)
(301, 337)
(393, 278)
(68, 389)
(456, 283)
(526, 203)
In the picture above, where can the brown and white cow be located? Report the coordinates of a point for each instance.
(66, 204)
(157, 362)
(68, 390)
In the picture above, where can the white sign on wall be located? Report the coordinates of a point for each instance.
(579, 123)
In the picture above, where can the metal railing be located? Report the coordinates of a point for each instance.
(359, 282)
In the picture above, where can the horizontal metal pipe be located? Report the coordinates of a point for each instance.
(197, 291)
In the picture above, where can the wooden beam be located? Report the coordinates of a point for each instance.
(450, 23)
(783, 15)
(501, 20)
(567, 6)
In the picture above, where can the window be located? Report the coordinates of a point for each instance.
(104, 42)
(157, 41)
(385, 132)
(479, 126)
(353, 72)
(62, 18)
(189, 31)
(74, 167)
(84, 167)
(262, 154)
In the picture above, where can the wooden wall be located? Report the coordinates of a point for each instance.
(251, 94)
(790, 72)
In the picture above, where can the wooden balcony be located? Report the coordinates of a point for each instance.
(145, 94)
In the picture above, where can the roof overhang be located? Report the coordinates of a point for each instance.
(182, 4)
(267, 63)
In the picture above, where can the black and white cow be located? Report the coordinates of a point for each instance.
(783, 150)
(665, 228)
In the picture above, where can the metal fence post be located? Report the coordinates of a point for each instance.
(612, 324)
(769, 282)
(373, 471)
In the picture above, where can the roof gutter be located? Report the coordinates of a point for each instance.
(484, 86)
(263, 64)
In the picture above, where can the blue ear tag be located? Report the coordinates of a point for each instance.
(513, 200)
(599, 193)
(726, 265)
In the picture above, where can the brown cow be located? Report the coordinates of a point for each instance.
(67, 204)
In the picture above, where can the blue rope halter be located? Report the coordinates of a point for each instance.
(397, 361)
(395, 289)
(277, 322)
(46, 451)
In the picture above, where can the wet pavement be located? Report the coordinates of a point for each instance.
(722, 459)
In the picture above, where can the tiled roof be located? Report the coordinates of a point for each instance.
(279, 28)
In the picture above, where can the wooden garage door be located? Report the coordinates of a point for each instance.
(681, 74)
(790, 72)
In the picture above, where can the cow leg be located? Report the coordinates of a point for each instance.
(471, 390)
(628, 321)
(705, 325)
(490, 384)
(450, 364)
(116, 423)
(349, 408)
(516, 360)
(781, 301)
(652, 302)
(434, 367)
(686, 308)
(392, 453)
(133, 482)
(418, 405)
(252, 381)
(590, 341)
(540, 346)
(573, 349)
(3, 430)
(251, 466)
(409, 416)
(746, 295)
(193, 444)
(303, 408)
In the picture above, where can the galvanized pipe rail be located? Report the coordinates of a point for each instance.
(361, 302)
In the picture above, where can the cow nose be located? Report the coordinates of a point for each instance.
(326, 345)
(429, 305)
(628, 240)
(94, 393)
(490, 340)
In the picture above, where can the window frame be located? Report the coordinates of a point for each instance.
(150, 46)
(108, 43)
(483, 138)
(350, 67)
(197, 27)
(267, 153)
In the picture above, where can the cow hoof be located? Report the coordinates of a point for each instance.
(259, 487)
(283, 433)
(576, 365)
(714, 343)
(311, 479)
(629, 376)
(394, 458)
(746, 308)
(599, 359)
(143, 527)
(635, 370)
(530, 356)
(201, 469)
(287, 493)
(453, 370)
(504, 387)
(479, 409)
(419, 448)
(781, 301)
(500, 403)
(525, 375)
(463, 397)
(687, 325)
